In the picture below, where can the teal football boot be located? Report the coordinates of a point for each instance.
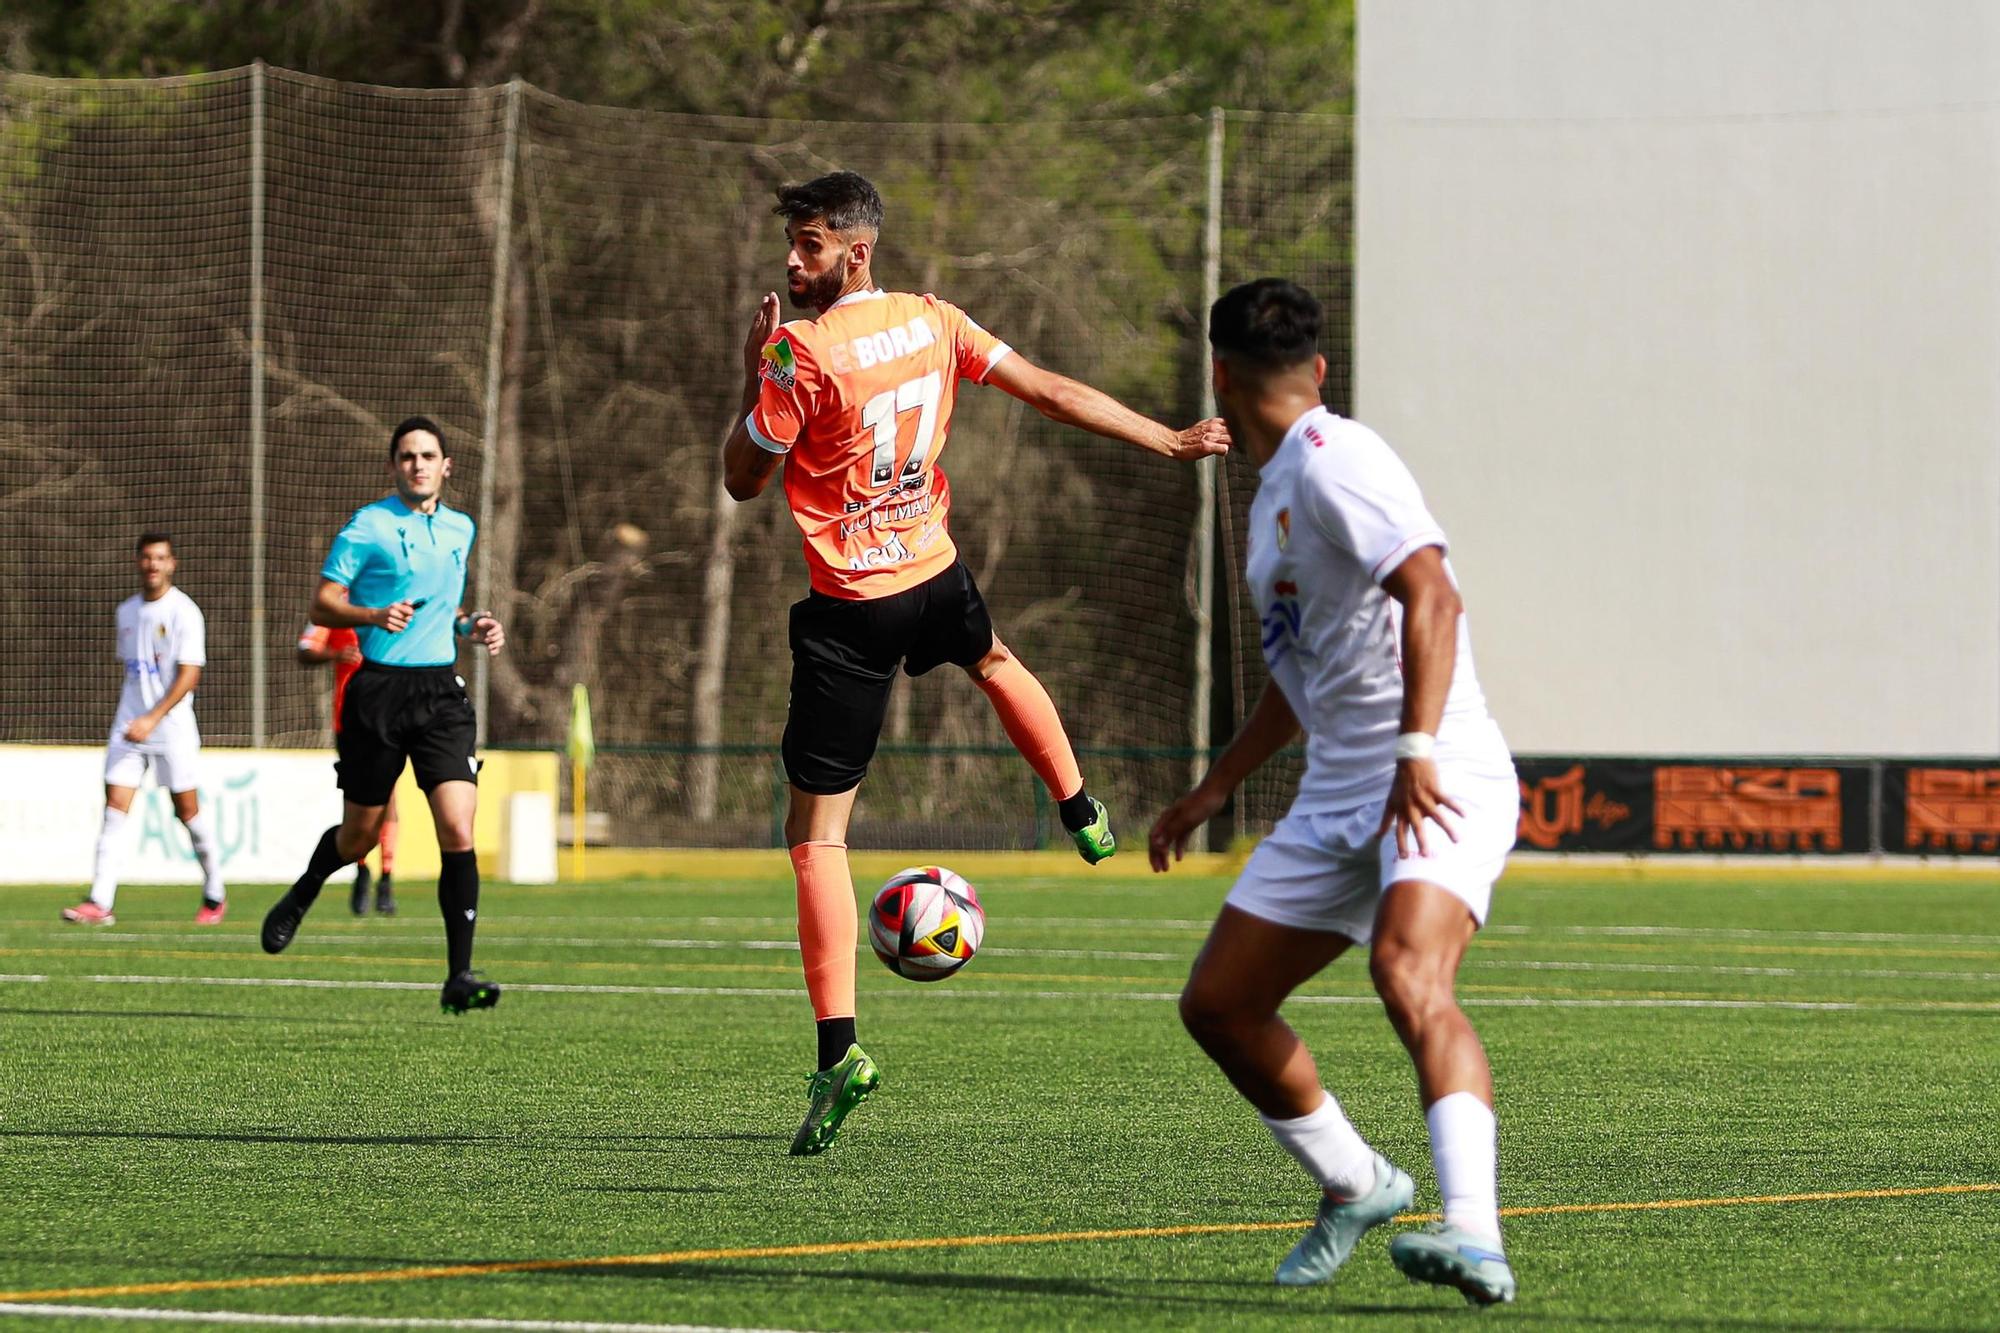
(1452, 1257)
(1339, 1226)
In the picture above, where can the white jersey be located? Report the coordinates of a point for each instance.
(155, 639)
(1336, 513)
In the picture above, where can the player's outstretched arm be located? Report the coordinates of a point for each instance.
(332, 609)
(1431, 610)
(1060, 398)
(747, 469)
(1269, 729)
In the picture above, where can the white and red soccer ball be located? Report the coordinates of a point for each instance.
(926, 923)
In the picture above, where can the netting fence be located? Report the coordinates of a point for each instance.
(217, 293)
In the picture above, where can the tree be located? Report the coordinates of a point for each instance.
(1021, 186)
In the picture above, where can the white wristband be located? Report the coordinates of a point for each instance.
(1415, 745)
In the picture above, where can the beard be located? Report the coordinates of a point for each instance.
(817, 293)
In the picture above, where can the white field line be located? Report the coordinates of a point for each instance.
(1722, 970)
(580, 942)
(1068, 996)
(352, 1321)
(505, 928)
(1142, 956)
(1750, 933)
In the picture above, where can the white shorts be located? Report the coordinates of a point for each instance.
(176, 766)
(1324, 869)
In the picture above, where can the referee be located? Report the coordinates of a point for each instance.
(395, 575)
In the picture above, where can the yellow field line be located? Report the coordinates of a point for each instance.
(666, 1257)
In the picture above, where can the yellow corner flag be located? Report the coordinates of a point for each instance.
(582, 743)
(582, 754)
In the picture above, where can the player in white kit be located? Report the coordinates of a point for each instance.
(1403, 819)
(162, 644)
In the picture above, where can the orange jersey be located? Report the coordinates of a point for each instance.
(318, 638)
(859, 402)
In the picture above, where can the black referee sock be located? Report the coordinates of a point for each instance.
(835, 1036)
(326, 859)
(458, 900)
(1076, 811)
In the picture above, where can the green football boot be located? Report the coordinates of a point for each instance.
(834, 1092)
(1334, 1233)
(1094, 841)
(1452, 1257)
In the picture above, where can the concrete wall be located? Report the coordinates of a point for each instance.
(1686, 314)
(269, 808)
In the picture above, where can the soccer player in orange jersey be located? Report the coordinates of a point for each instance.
(317, 646)
(856, 404)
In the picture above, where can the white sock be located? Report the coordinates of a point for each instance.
(1329, 1148)
(104, 881)
(201, 832)
(1465, 1147)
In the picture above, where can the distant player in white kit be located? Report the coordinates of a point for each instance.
(163, 645)
(1403, 819)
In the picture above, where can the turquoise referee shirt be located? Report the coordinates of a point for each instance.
(389, 553)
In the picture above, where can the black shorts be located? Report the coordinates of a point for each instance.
(844, 658)
(395, 713)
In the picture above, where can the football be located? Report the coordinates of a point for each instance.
(926, 923)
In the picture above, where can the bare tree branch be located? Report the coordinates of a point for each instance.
(501, 48)
(450, 61)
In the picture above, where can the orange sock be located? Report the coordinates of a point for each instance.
(1029, 717)
(390, 829)
(829, 926)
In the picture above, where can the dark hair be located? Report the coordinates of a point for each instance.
(409, 424)
(154, 538)
(1271, 323)
(843, 200)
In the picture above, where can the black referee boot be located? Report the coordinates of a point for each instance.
(469, 990)
(357, 898)
(281, 923)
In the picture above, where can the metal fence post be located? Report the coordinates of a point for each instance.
(1875, 796)
(259, 631)
(496, 333)
(1202, 554)
(780, 792)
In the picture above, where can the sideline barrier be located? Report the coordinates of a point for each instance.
(873, 867)
(1781, 807)
(1676, 807)
(269, 806)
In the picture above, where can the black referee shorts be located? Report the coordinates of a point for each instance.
(396, 713)
(844, 658)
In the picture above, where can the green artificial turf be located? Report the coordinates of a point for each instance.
(171, 1130)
